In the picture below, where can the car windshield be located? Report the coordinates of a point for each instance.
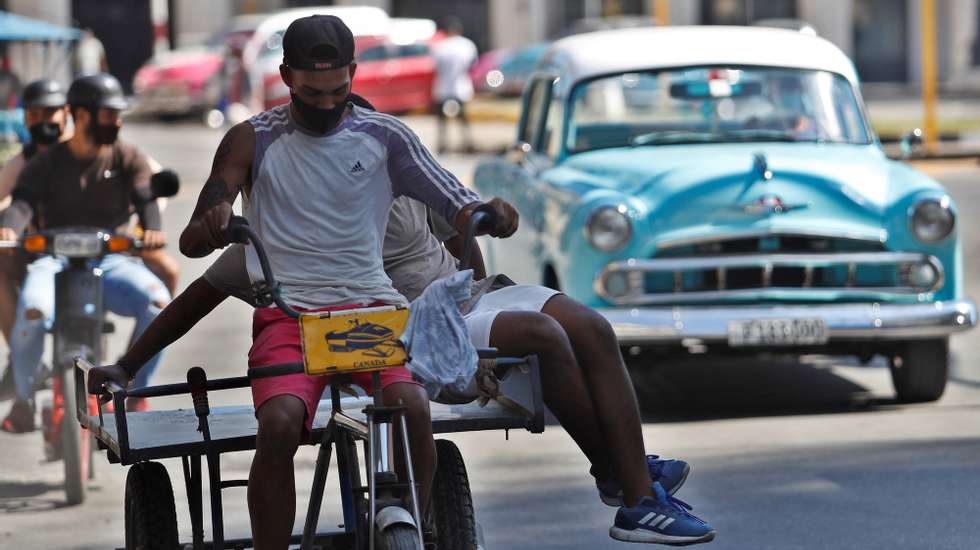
(714, 105)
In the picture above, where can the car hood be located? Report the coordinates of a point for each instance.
(691, 191)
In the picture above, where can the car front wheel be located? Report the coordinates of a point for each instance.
(920, 369)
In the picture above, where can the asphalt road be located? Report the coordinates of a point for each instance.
(786, 454)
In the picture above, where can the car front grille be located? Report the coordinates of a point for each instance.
(721, 270)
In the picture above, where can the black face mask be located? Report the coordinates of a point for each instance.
(320, 120)
(45, 133)
(103, 134)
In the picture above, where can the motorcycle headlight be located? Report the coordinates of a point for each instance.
(609, 228)
(78, 245)
(932, 220)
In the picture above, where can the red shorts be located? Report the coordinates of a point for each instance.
(276, 340)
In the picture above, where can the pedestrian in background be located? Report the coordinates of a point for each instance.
(452, 88)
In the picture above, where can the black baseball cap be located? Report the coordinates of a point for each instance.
(317, 42)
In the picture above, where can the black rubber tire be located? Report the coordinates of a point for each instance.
(920, 370)
(451, 515)
(151, 517)
(397, 537)
(73, 444)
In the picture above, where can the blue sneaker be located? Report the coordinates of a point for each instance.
(661, 519)
(670, 473)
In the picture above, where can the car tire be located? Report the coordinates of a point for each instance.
(151, 516)
(920, 370)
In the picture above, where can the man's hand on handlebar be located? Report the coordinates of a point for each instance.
(153, 240)
(98, 377)
(8, 234)
(506, 219)
(214, 222)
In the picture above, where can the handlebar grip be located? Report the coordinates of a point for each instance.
(198, 382)
(235, 233)
(484, 218)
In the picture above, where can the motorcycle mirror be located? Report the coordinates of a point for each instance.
(164, 183)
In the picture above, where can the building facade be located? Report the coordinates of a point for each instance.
(883, 37)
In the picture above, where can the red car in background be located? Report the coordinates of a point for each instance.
(395, 68)
(194, 80)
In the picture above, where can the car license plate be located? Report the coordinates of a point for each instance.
(354, 340)
(777, 332)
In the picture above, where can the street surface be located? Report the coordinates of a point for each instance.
(785, 454)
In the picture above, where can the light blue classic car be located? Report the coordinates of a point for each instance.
(713, 189)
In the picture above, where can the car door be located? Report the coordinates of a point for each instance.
(520, 182)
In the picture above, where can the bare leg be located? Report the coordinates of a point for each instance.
(519, 333)
(271, 484)
(419, 437)
(611, 389)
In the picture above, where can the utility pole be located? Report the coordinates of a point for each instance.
(172, 23)
(929, 74)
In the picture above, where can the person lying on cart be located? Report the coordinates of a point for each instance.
(581, 366)
(320, 175)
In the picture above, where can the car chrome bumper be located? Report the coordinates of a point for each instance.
(845, 322)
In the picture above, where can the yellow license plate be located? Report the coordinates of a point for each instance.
(355, 340)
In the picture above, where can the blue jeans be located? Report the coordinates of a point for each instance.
(130, 290)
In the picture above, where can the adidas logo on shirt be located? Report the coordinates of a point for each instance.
(357, 168)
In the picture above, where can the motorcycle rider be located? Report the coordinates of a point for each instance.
(45, 116)
(93, 179)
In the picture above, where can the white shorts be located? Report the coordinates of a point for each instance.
(479, 321)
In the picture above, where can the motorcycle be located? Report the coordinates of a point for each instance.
(80, 329)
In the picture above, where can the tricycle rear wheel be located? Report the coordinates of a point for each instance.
(451, 515)
(151, 517)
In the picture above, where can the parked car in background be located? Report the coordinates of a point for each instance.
(710, 193)
(193, 80)
(396, 75)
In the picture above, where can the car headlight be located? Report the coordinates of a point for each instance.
(78, 245)
(932, 220)
(609, 228)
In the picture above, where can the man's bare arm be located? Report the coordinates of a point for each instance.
(230, 174)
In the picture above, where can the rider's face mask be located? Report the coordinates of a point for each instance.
(319, 119)
(45, 133)
(101, 133)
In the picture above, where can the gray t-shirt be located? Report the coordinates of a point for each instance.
(413, 255)
(320, 202)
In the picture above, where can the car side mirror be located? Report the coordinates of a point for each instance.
(518, 152)
(912, 143)
(164, 183)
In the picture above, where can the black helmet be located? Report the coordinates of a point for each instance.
(97, 90)
(43, 93)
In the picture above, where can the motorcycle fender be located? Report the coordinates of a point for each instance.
(393, 515)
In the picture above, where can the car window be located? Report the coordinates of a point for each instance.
(714, 105)
(376, 53)
(412, 50)
(536, 107)
(273, 45)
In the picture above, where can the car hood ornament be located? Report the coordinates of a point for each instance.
(769, 204)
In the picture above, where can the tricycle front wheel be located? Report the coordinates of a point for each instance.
(398, 537)
(151, 517)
